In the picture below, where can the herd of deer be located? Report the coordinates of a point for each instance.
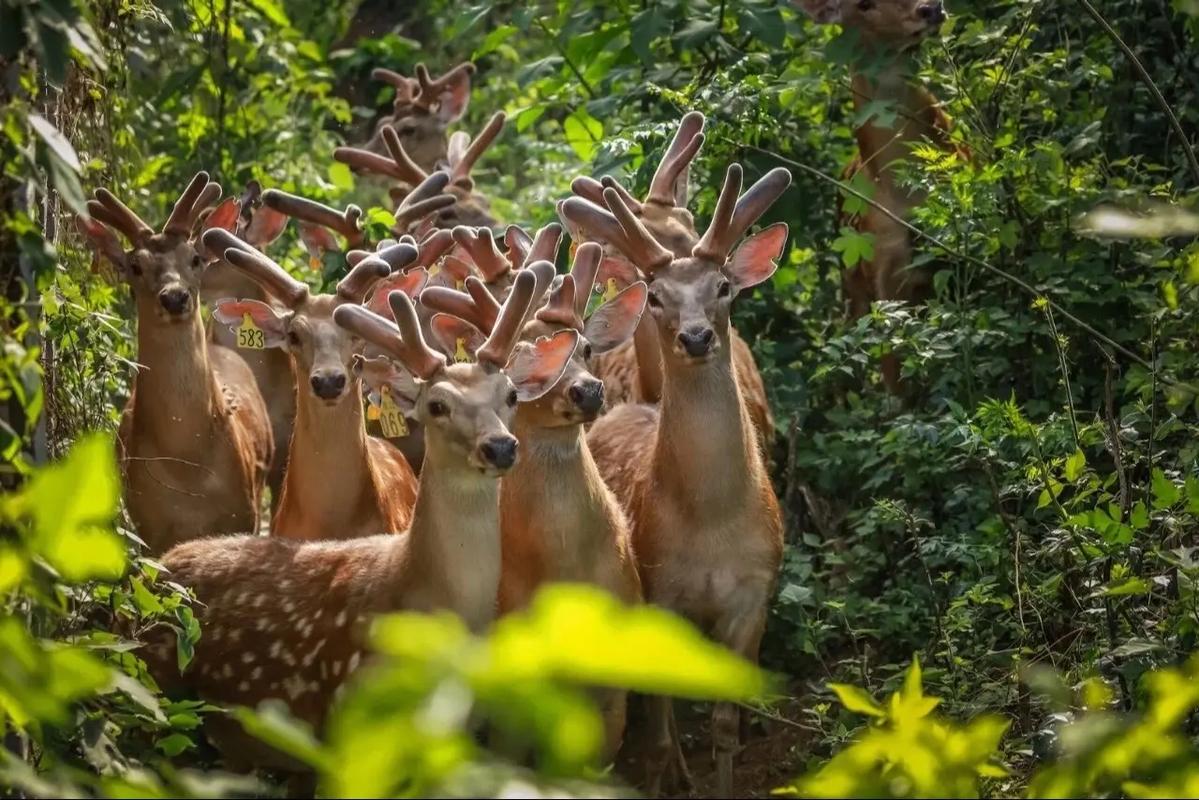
(536, 427)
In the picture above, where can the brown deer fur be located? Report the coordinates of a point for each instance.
(194, 440)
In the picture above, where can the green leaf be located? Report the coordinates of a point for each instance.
(1075, 464)
(1130, 586)
(341, 176)
(493, 40)
(55, 141)
(1139, 516)
(273, 724)
(1165, 493)
(583, 133)
(854, 246)
(174, 744)
(857, 700)
(644, 27)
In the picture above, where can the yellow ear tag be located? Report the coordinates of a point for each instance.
(435, 270)
(391, 419)
(460, 354)
(249, 335)
(458, 284)
(574, 247)
(610, 289)
(314, 263)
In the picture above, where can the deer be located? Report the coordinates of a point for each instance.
(889, 30)
(634, 372)
(194, 441)
(471, 208)
(558, 519)
(259, 225)
(706, 524)
(339, 481)
(422, 110)
(286, 619)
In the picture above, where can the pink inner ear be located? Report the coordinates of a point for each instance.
(624, 273)
(454, 100)
(614, 322)
(447, 330)
(410, 283)
(265, 226)
(225, 215)
(102, 239)
(232, 312)
(317, 238)
(755, 260)
(535, 368)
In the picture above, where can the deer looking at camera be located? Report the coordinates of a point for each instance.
(707, 529)
(558, 520)
(285, 619)
(470, 208)
(889, 32)
(633, 373)
(340, 483)
(194, 440)
(422, 110)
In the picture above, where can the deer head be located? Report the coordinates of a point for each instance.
(467, 407)
(247, 218)
(164, 269)
(886, 24)
(322, 353)
(423, 108)
(690, 297)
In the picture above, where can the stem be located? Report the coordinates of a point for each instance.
(566, 58)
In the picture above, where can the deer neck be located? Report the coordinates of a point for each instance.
(329, 466)
(177, 398)
(454, 539)
(706, 449)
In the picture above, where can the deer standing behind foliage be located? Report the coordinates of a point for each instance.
(889, 31)
(707, 529)
(633, 373)
(424, 107)
(195, 439)
(558, 520)
(286, 619)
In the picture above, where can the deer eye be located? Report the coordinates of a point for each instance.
(197, 261)
(865, 5)
(512, 398)
(406, 129)
(438, 408)
(293, 339)
(586, 351)
(654, 300)
(724, 289)
(135, 267)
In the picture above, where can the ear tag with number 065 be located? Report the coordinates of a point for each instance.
(460, 354)
(249, 335)
(391, 419)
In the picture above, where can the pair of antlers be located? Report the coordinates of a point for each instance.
(425, 91)
(479, 245)
(199, 196)
(463, 153)
(404, 341)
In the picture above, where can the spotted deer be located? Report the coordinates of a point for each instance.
(194, 440)
(706, 524)
(634, 372)
(285, 619)
(259, 225)
(340, 483)
(471, 208)
(889, 32)
(558, 520)
(422, 110)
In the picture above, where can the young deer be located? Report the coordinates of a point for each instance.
(284, 619)
(635, 370)
(195, 439)
(340, 482)
(471, 207)
(259, 225)
(422, 110)
(558, 520)
(890, 31)
(706, 524)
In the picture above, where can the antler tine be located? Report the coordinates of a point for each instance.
(608, 182)
(430, 89)
(427, 198)
(645, 252)
(584, 269)
(597, 221)
(422, 360)
(388, 337)
(502, 340)
(488, 307)
(458, 304)
(343, 222)
(480, 245)
(754, 203)
(405, 168)
(265, 272)
(398, 256)
(716, 241)
(403, 85)
(518, 243)
(366, 273)
(544, 274)
(683, 147)
(434, 246)
(102, 213)
(476, 149)
(545, 245)
(588, 188)
(366, 161)
(183, 214)
(123, 218)
(560, 308)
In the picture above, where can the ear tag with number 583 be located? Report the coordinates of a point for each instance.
(249, 335)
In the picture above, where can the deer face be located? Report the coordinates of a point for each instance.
(467, 410)
(165, 273)
(891, 23)
(578, 396)
(322, 352)
(422, 133)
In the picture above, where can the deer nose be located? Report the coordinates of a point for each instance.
(933, 13)
(697, 342)
(175, 300)
(499, 451)
(328, 385)
(588, 395)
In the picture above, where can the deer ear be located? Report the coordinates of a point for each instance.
(454, 100)
(456, 148)
(615, 269)
(456, 338)
(377, 371)
(535, 367)
(756, 259)
(410, 283)
(266, 225)
(273, 324)
(103, 240)
(822, 11)
(225, 217)
(614, 322)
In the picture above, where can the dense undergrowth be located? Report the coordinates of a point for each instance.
(1025, 523)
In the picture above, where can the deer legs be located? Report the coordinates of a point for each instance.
(665, 766)
(742, 634)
